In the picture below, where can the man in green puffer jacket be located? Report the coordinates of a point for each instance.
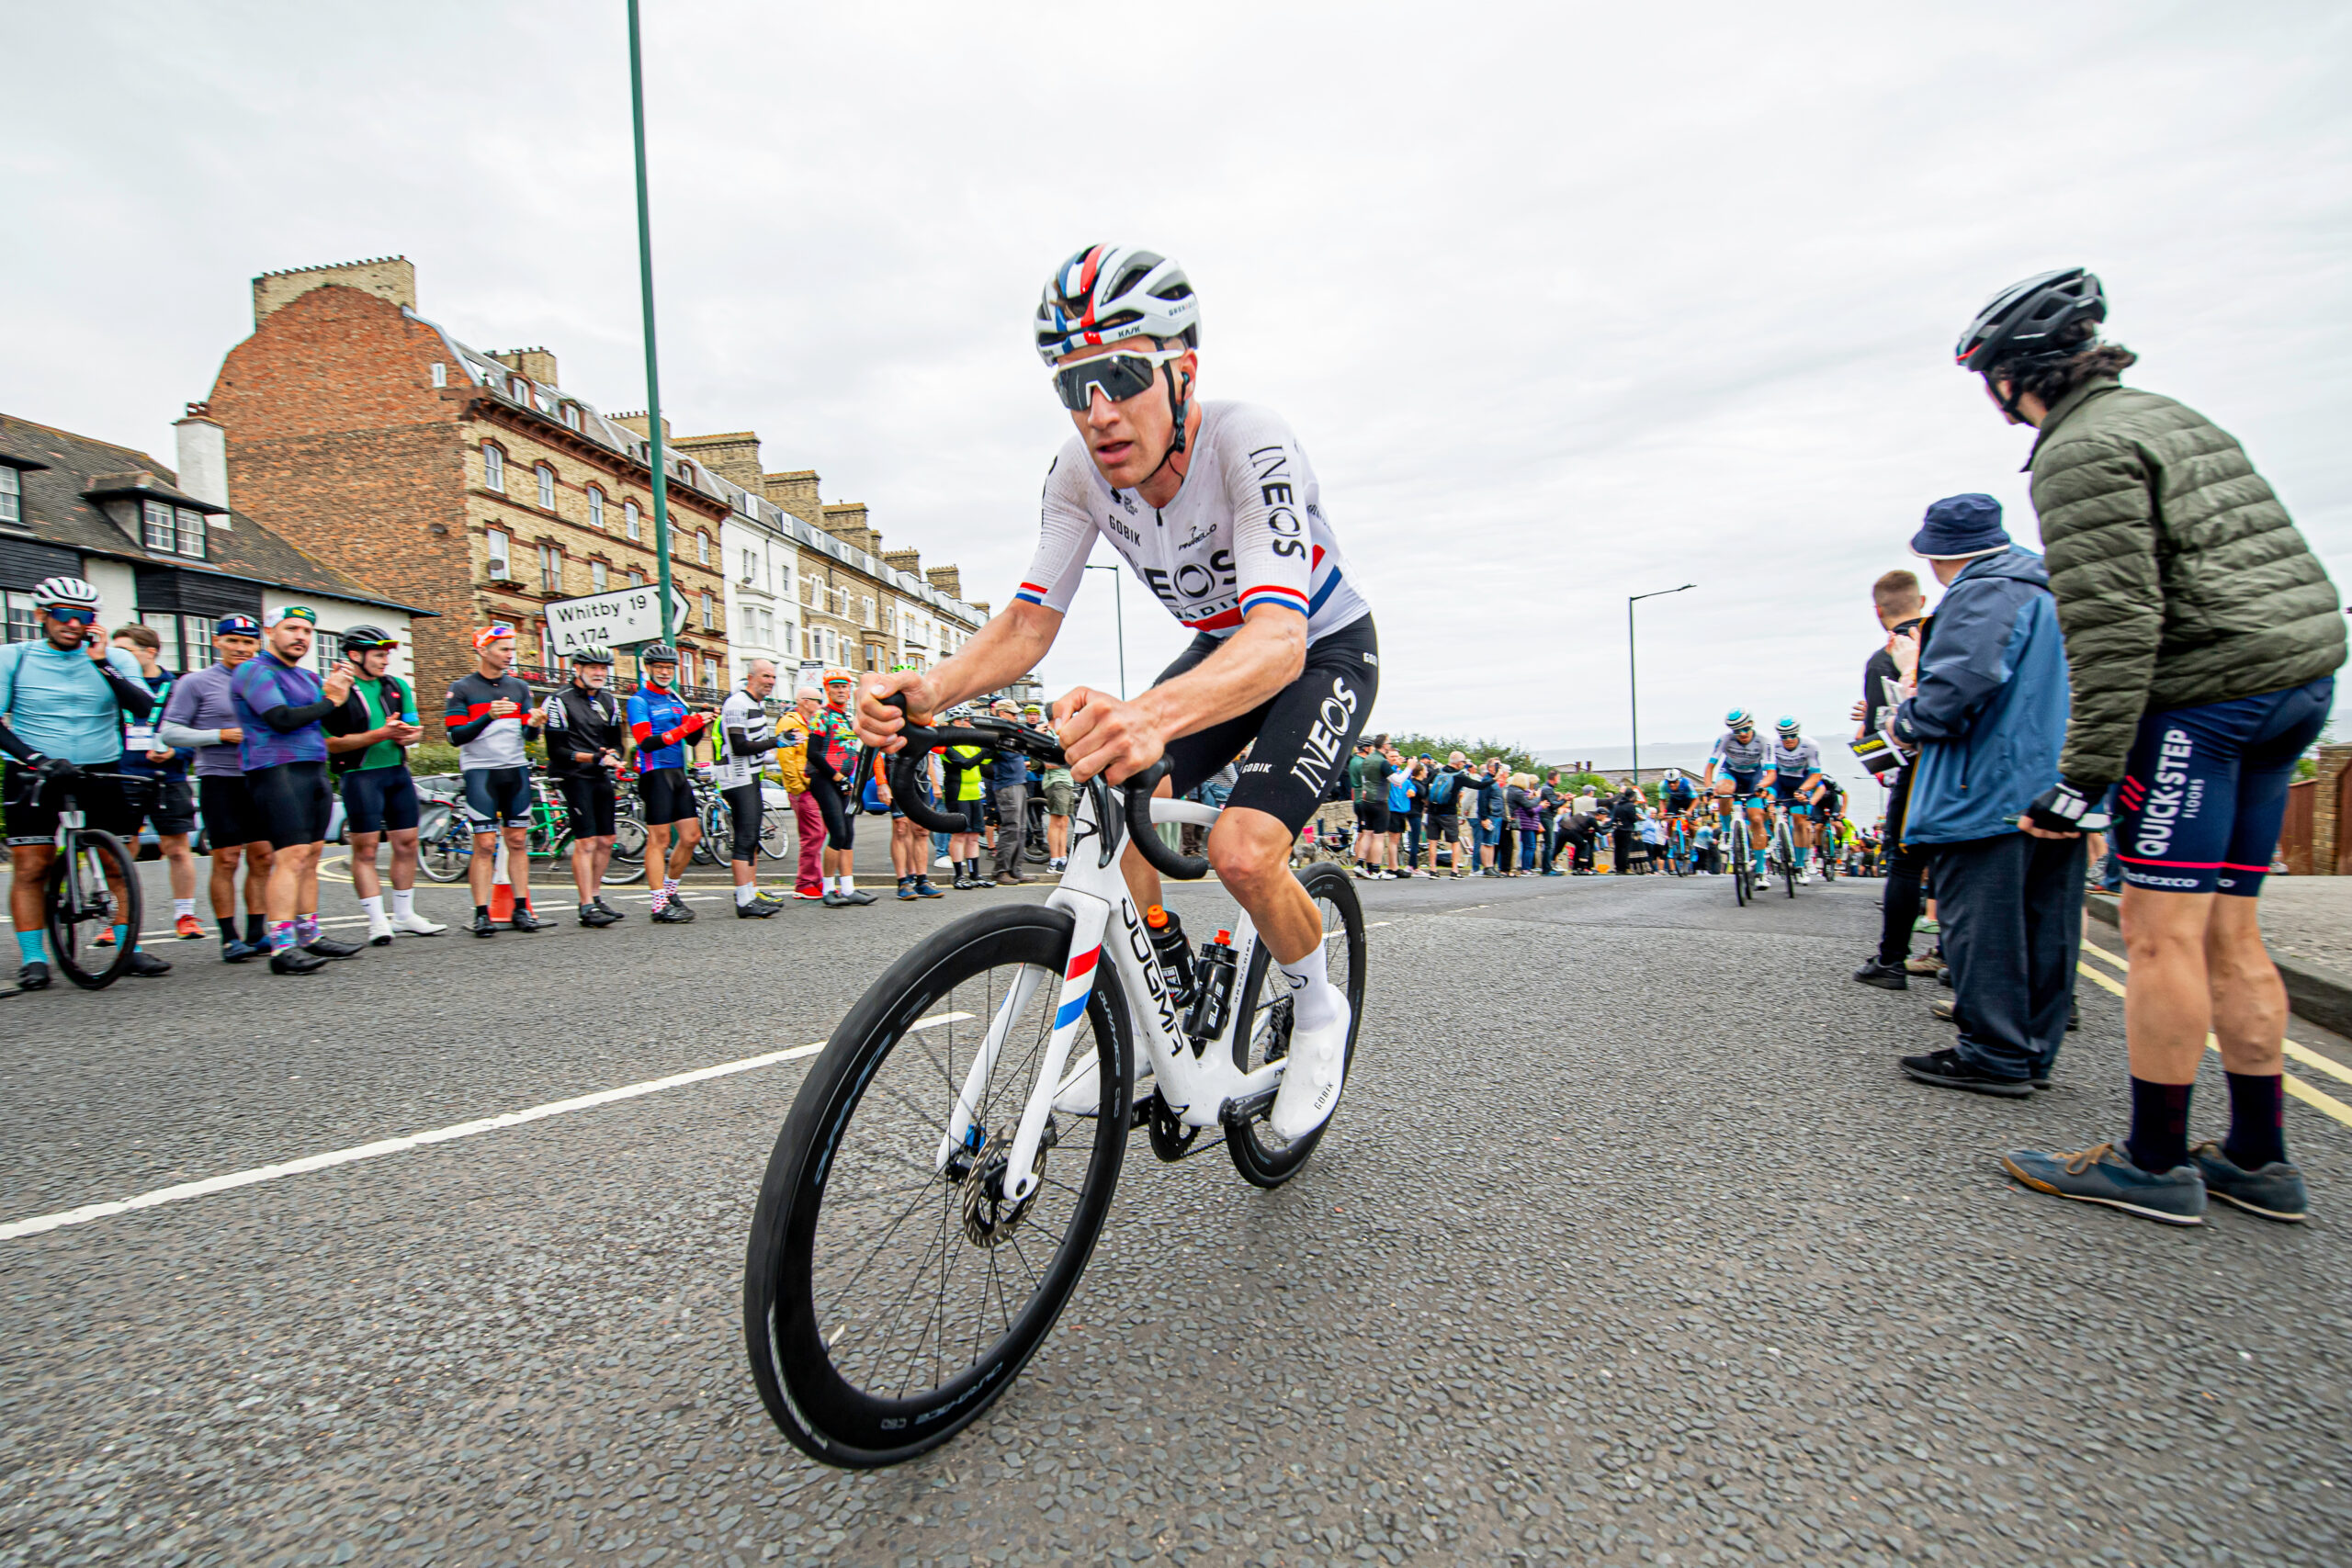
(2203, 637)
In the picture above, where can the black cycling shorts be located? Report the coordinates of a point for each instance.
(166, 801)
(1298, 738)
(379, 800)
(230, 818)
(667, 797)
(745, 809)
(496, 796)
(1374, 818)
(841, 822)
(294, 800)
(33, 806)
(1444, 825)
(590, 801)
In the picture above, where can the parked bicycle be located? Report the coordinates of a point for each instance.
(445, 838)
(948, 1163)
(92, 888)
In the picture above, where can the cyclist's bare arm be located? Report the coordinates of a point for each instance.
(1101, 734)
(1006, 649)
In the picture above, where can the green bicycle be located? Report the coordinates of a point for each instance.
(446, 837)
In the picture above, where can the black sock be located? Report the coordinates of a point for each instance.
(481, 912)
(2159, 1126)
(2257, 1120)
(228, 928)
(523, 904)
(258, 928)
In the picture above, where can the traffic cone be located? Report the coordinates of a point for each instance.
(502, 889)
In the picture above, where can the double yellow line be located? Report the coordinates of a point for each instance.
(2318, 1100)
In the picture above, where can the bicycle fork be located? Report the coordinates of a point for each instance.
(1077, 984)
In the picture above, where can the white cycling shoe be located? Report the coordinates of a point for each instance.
(414, 924)
(1311, 1083)
(379, 930)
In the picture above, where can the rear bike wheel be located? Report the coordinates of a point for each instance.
(444, 848)
(78, 907)
(1785, 842)
(889, 1298)
(716, 830)
(776, 832)
(628, 851)
(1258, 1152)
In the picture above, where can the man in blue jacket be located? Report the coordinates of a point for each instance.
(1986, 713)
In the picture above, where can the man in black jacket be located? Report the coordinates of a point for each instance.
(585, 730)
(1901, 606)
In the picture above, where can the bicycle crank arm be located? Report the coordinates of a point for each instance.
(1248, 1107)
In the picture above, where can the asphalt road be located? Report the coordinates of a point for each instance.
(1630, 1245)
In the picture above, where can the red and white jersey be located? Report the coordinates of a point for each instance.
(1246, 529)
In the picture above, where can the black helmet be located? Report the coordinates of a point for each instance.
(593, 655)
(2033, 322)
(657, 653)
(359, 639)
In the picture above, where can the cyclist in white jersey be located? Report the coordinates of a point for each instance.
(1791, 769)
(1217, 509)
(1735, 773)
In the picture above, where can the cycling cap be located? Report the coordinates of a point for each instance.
(359, 639)
(1739, 718)
(236, 626)
(66, 593)
(1788, 724)
(2033, 322)
(593, 655)
(1110, 293)
(658, 654)
(492, 633)
(296, 613)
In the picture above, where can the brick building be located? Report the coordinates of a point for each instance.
(468, 481)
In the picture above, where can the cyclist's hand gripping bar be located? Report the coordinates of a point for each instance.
(1153, 848)
(906, 772)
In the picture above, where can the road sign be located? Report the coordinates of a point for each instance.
(611, 620)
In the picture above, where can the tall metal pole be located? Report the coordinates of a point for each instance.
(652, 360)
(1119, 609)
(1633, 694)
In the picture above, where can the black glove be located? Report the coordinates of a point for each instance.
(2068, 809)
(57, 770)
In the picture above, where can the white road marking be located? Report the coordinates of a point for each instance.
(38, 1223)
(935, 1019)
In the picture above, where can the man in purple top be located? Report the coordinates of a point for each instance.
(281, 708)
(201, 715)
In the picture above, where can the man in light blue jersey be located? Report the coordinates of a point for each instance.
(1735, 773)
(1793, 770)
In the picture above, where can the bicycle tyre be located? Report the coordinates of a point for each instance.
(627, 864)
(776, 832)
(1261, 1161)
(792, 1357)
(443, 854)
(72, 942)
(1787, 838)
(1741, 868)
(716, 830)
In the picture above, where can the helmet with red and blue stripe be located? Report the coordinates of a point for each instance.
(1110, 293)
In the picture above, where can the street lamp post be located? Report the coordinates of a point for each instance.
(1633, 689)
(652, 370)
(1119, 608)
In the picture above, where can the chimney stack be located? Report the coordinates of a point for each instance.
(203, 456)
(387, 278)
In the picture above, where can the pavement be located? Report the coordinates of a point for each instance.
(1629, 1244)
(2307, 921)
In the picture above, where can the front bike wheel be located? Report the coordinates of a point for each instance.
(891, 1297)
(1741, 868)
(1788, 861)
(1259, 1153)
(79, 906)
(443, 850)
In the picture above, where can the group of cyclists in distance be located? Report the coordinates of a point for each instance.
(1750, 776)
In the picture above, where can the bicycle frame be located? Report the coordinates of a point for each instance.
(1197, 1088)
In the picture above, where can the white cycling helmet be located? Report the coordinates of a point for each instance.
(1788, 724)
(65, 592)
(1110, 293)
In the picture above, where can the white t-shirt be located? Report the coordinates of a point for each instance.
(1246, 529)
(747, 712)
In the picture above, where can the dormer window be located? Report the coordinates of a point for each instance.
(12, 495)
(493, 468)
(174, 530)
(162, 533)
(572, 416)
(519, 389)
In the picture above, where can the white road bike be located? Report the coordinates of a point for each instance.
(941, 1176)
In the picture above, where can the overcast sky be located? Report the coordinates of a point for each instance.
(1566, 302)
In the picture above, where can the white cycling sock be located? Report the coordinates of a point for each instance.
(1314, 1001)
(746, 892)
(373, 908)
(183, 907)
(403, 902)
